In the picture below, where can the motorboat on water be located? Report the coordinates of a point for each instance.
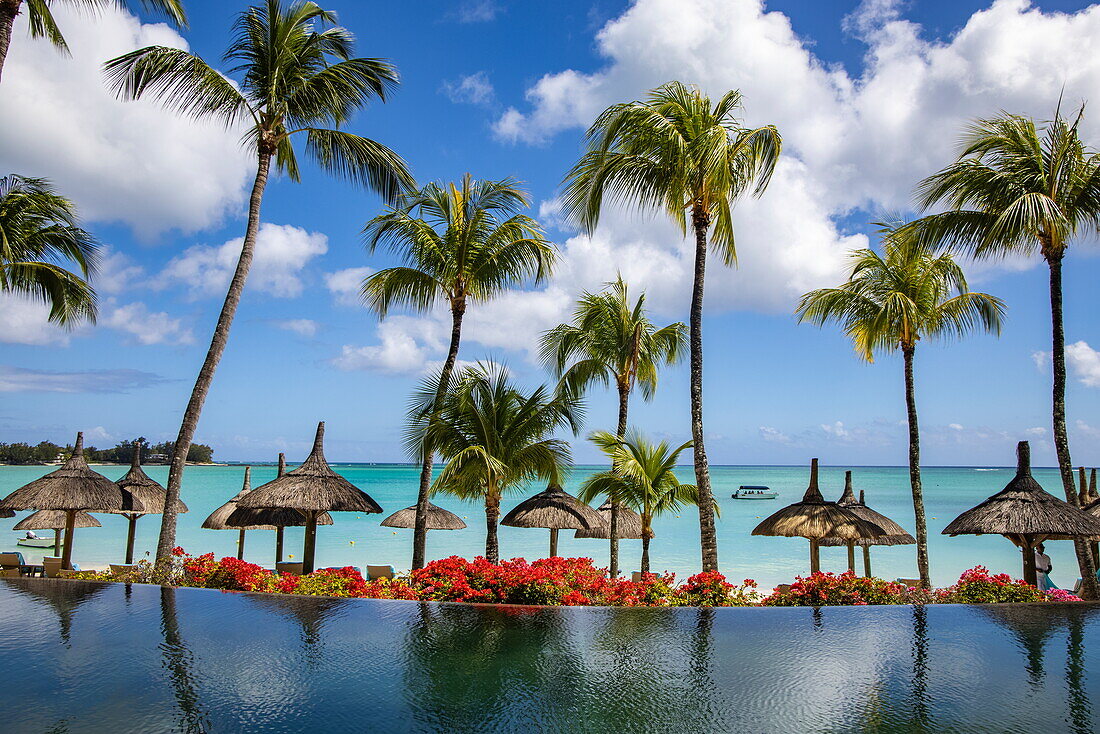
(35, 542)
(754, 492)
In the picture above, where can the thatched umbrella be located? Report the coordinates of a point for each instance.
(55, 520)
(278, 518)
(438, 519)
(629, 526)
(151, 495)
(312, 489)
(72, 488)
(7, 513)
(816, 519)
(555, 509)
(895, 534)
(1026, 514)
(219, 518)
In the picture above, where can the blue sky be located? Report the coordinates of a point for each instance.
(869, 96)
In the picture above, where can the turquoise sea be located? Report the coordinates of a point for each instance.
(359, 540)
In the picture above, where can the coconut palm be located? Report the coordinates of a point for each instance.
(296, 75)
(494, 437)
(643, 479)
(41, 23)
(38, 235)
(459, 242)
(1019, 188)
(893, 300)
(678, 153)
(612, 341)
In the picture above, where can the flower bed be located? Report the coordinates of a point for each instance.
(570, 582)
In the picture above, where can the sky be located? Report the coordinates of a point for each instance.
(869, 97)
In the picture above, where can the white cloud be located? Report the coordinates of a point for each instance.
(25, 321)
(301, 327)
(19, 379)
(773, 435)
(836, 430)
(473, 89)
(282, 252)
(116, 272)
(345, 284)
(955, 426)
(475, 11)
(147, 327)
(1041, 360)
(1036, 431)
(1084, 362)
(406, 345)
(133, 162)
(98, 434)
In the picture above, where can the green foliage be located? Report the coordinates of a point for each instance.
(38, 237)
(22, 453)
(41, 22)
(122, 453)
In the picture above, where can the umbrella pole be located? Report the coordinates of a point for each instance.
(279, 544)
(867, 561)
(310, 542)
(70, 526)
(240, 546)
(57, 541)
(1028, 553)
(852, 557)
(553, 542)
(815, 558)
(131, 532)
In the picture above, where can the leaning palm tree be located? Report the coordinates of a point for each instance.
(459, 242)
(1018, 188)
(38, 235)
(297, 74)
(643, 479)
(893, 300)
(676, 152)
(611, 340)
(494, 437)
(41, 23)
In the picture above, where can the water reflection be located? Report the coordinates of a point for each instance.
(63, 596)
(179, 663)
(919, 699)
(311, 613)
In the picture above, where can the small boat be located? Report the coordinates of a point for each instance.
(35, 542)
(754, 492)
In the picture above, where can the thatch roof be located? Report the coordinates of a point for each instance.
(815, 518)
(54, 520)
(7, 513)
(148, 492)
(1023, 508)
(312, 487)
(629, 526)
(553, 508)
(72, 487)
(895, 534)
(438, 519)
(219, 518)
(279, 517)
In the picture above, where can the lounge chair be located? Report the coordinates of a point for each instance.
(380, 572)
(908, 582)
(10, 565)
(52, 567)
(290, 567)
(636, 576)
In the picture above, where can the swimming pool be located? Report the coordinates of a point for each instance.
(85, 657)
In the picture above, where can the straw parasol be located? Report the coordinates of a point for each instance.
(278, 518)
(72, 488)
(816, 519)
(895, 534)
(438, 519)
(555, 509)
(312, 489)
(629, 526)
(55, 520)
(1026, 514)
(151, 495)
(7, 513)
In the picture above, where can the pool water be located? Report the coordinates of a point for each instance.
(85, 657)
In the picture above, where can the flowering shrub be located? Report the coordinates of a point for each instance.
(710, 589)
(977, 586)
(830, 589)
(1061, 595)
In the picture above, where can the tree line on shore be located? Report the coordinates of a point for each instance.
(46, 452)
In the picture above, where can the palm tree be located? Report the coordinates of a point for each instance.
(1018, 188)
(678, 153)
(893, 300)
(459, 242)
(296, 74)
(42, 23)
(38, 233)
(643, 479)
(610, 340)
(494, 437)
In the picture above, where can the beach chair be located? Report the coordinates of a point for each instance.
(10, 565)
(636, 576)
(908, 582)
(291, 567)
(52, 567)
(380, 572)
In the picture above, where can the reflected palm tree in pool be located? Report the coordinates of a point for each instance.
(178, 663)
(1080, 710)
(920, 700)
(63, 596)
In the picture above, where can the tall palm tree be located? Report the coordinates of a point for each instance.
(893, 300)
(1019, 188)
(611, 340)
(643, 479)
(493, 437)
(459, 242)
(296, 74)
(42, 23)
(678, 153)
(38, 234)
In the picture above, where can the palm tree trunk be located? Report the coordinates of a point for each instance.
(279, 544)
(420, 527)
(624, 404)
(645, 544)
(8, 10)
(914, 471)
(240, 545)
(191, 415)
(1089, 589)
(708, 541)
(492, 514)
